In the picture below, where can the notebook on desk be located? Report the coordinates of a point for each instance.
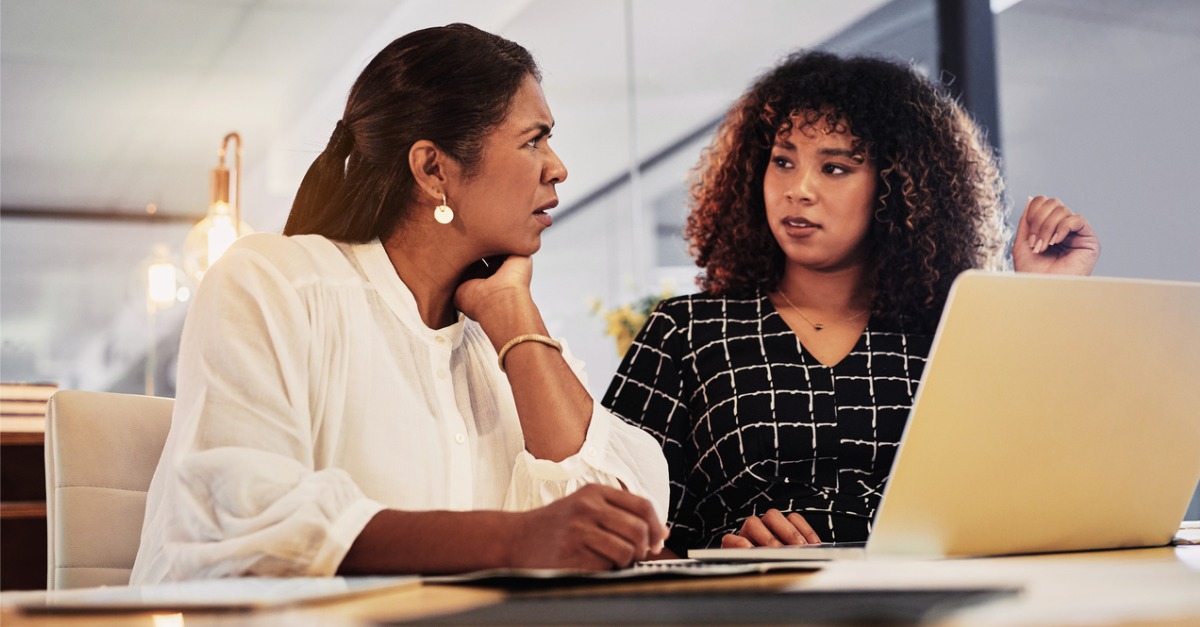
(1054, 414)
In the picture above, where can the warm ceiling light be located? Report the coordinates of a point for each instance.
(213, 235)
(161, 284)
(161, 277)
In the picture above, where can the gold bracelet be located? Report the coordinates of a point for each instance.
(528, 337)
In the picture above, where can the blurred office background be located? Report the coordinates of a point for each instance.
(112, 111)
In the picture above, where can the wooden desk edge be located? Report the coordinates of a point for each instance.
(430, 600)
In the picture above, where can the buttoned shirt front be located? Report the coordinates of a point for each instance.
(311, 396)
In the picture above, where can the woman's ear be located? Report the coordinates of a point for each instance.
(429, 168)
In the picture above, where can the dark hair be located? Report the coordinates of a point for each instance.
(449, 85)
(939, 210)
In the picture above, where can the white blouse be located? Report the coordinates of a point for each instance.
(311, 396)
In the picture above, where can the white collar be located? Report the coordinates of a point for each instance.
(378, 268)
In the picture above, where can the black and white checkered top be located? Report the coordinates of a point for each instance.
(749, 420)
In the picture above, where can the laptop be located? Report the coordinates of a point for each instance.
(1054, 414)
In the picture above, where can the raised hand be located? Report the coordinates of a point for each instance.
(1053, 240)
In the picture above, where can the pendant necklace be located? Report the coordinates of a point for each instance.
(815, 325)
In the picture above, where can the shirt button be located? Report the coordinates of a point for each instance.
(442, 374)
(460, 438)
(439, 339)
(591, 452)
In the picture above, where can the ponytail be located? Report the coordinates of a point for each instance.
(320, 185)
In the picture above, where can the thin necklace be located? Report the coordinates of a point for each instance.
(817, 326)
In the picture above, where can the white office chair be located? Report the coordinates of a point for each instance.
(101, 452)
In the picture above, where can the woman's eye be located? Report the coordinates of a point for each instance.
(781, 162)
(833, 168)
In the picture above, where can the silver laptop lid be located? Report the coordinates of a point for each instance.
(1055, 414)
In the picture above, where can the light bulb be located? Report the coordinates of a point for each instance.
(221, 236)
(161, 284)
(209, 239)
(160, 279)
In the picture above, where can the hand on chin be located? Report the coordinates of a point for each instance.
(510, 281)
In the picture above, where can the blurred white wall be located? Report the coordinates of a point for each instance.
(1097, 105)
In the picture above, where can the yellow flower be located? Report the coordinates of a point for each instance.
(625, 322)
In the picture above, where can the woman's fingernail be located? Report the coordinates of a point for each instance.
(1039, 246)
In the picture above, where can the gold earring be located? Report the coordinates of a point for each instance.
(443, 213)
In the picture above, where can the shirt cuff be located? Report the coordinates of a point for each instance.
(343, 534)
(587, 460)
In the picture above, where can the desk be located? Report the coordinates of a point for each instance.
(1131, 587)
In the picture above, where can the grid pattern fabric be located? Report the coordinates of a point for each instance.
(749, 420)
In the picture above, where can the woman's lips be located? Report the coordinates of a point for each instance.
(541, 216)
(799, 226)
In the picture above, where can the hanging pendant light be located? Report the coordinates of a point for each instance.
(213, 235)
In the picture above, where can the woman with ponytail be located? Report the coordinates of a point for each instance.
(363, 394)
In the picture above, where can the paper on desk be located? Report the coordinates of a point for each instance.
(1093, 590)
(1189, 533)
(1100, 587)
(887, 574)
(212, 594)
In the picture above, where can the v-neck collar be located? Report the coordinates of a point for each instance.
(768, 308)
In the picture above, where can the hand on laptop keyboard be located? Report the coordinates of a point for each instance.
(773, 529)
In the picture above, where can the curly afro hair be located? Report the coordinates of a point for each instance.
(939, 208)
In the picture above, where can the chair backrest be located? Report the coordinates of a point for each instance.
(101, 452)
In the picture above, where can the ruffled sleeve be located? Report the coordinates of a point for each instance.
(239, 490)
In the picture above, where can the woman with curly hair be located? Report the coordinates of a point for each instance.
(837, 203)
